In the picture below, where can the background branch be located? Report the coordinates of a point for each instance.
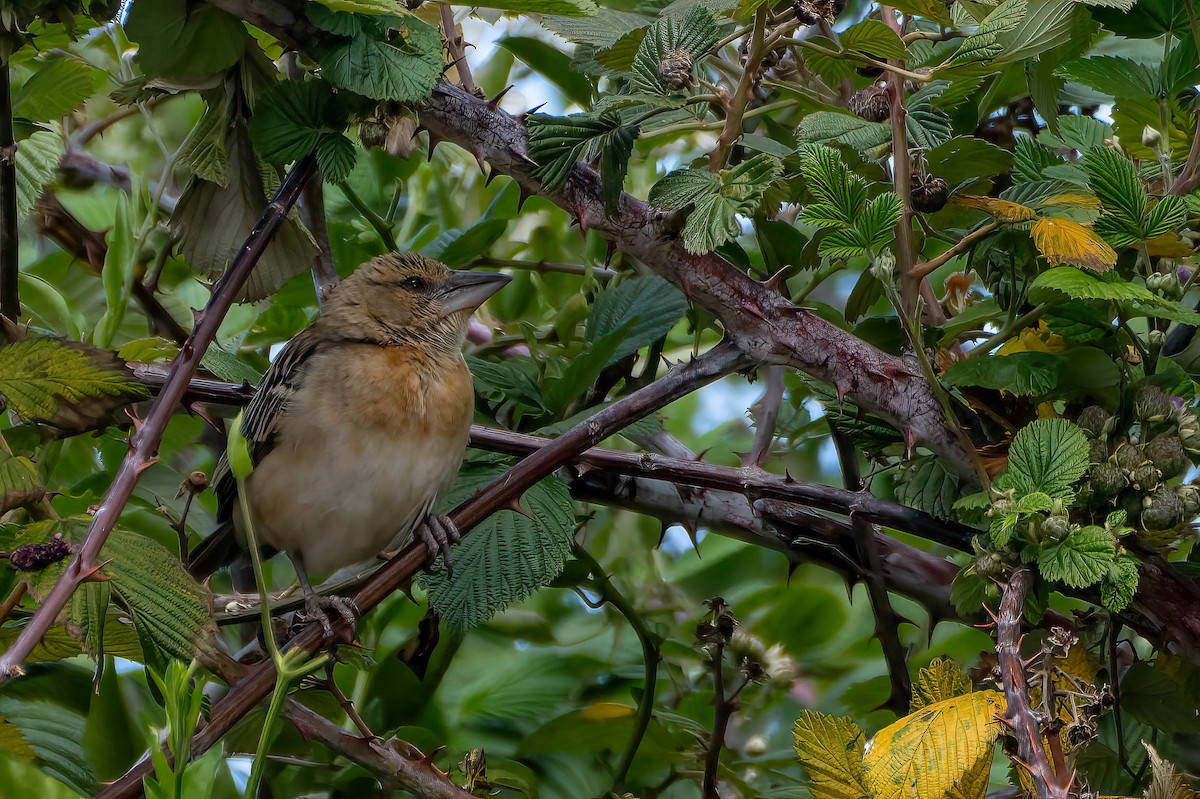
(10, 298)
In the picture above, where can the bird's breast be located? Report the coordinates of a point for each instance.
(368, 445)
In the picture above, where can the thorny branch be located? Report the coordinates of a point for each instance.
(506, 490)
(887, 620)
(1020, 717)
(731, 131)
(148, 433)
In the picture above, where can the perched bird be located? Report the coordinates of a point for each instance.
(358, 427)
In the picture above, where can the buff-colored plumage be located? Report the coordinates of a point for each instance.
(361, 423)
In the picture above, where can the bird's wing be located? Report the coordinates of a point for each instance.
(260, 422)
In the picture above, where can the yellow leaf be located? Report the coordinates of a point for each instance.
(1003, 210)
(1034, 339)
(1061, 241)
(601, 711)
(939, 751)
(1169, 245)
(830, 749)
(1073, 200)
(942, 679)
(1045, 410)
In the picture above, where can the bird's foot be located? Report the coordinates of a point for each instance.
(317, 608)
(438, 534)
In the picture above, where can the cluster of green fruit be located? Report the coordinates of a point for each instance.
(1131, 470)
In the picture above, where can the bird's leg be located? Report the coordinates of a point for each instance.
(317, 606)
(438, 534)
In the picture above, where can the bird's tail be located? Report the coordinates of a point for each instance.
(219, 549)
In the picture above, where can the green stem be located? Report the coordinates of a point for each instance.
(381, 226)
(650, 658)
(1010, 327)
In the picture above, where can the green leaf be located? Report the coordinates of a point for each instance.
(823, 127)
(1023, 373)
(1120, 584)
(942, 679)
(1112, 75)
(403, 67)
(66, 385)
(37, 165)
(983, 45)
(558, 143)
(927, 126)
(293, 118)
(1168, 214)
(212, 222)
(965, 157)
(120, 264)
(717, 199)
(1114, 179)
(1076, 132)
(579, 8)
(177, 40)
(204, 149)
(830, 750)
(1047, 455)
(61, 84)
(644, 308)
(1031, 158)
(506, 557)
(1081, 559)
(552, 64)
(20, 485)
(693, 33)
(1064, 281)
(925, 484)
(600, 30)
(374, 8)
(873, 37)
(50, 709)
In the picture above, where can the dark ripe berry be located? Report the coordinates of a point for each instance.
(1167, 455)
(1095, 421)
(1162, 510)
(372, 133)
(1152, 404)
(675, 70)
(35, 557)
(810, 12)
(929, 194)
(1106, 479)
(871, 103)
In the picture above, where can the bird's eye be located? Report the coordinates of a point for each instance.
(413, 283)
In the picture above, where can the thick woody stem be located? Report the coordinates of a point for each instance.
(1023, 722)
(506, 490)
(887, 620)
(910, 282)
(143, 444)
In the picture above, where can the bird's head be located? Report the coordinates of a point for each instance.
(403, 298)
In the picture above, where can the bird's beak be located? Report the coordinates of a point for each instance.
(465, 291)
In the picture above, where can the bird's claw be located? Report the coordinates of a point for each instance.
(318, 607)
(438, 534)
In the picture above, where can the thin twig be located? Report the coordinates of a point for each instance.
(924, 268)
(910, 282)
(1020, 716)
(259, 681)
(600, 273)
(454, 46)
(732, 129)
(722, 710)
(766, 416)
(397, 765)
(13, 599)
(381, 226)
(145, 440)
(887, 620)
(10, 298)
(312, 213)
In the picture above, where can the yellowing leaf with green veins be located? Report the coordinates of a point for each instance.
(19, 483)
(1061, 241)
(1002, 210)
(830, 749)
(940, 751)
(942, 679)
(67, 385)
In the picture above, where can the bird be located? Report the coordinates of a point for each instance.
(358, 427)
